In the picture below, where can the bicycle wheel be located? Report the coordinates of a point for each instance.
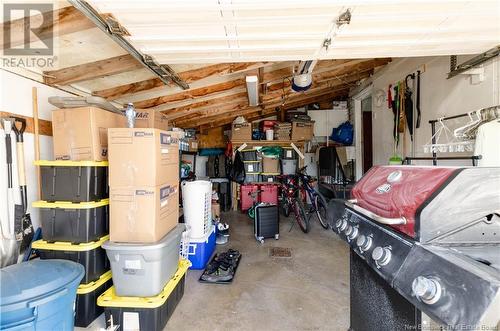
(321, 211)
(301, 215)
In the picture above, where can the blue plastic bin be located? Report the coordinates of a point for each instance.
(201, 249)
(39, 295)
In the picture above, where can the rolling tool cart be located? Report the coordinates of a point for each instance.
(145, 313)
(77, 223)
(91, 255)
(74, 181)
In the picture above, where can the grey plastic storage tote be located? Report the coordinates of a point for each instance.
(142, 270)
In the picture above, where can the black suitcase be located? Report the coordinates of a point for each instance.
(266, 222)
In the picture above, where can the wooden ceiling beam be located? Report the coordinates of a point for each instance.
(188, 76)
(265, 78)
(51, 25)
(92, 70)
(207, 91)
(240, 109)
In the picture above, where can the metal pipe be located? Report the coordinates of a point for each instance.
(163, 71)
(476, 60)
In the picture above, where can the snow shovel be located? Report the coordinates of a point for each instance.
(23, 226)
(9, 250)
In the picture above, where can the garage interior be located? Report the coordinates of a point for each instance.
(250, 165)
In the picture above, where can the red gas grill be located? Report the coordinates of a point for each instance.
(424, 239)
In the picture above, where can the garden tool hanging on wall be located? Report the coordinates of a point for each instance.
(23, 226)
(408, 96)
(9, 248)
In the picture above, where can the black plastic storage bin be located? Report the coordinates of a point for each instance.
(249, 155)
(75, 181)
(269, 177)
(91, 255)
(151, 313)
(252, 166)
(74, 222)
(86, 308)
(288, 153)
(252, 178)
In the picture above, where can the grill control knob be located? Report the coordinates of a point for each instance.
(341, 224)
(426, 289)
(381, 255)
(351, 232)
(364, 242)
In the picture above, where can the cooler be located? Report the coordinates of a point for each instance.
(269, 194)
(246, 199)
(201, 249)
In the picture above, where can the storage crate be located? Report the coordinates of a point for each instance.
(269, 177)
(73, 222)
(252, 166)
(288, 153)
(142, 270)
(86, 308)
(246, 199)
(75, 181)
(91, 255)
(249, 155)
(269, 194)
(146, 313)
(288, 167)
(252, 178)
(201, 249)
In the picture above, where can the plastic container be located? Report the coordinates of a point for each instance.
(289, 154)
(91, 255)
(269, 194)
(252, 166)
(249, 155)
(197, 206)
(201, 249)
(246, 199)
(252, 177)
(39, 295)
(288, 167)
(270, 134)
(73, 222)
(75, 181)
(142, 270)
(150, 313)
(269, 177)
(86, 308)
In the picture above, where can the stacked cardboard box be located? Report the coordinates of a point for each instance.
(282, 130)
(144, 184)
(302, 130)
(241, 131)
(147, 118)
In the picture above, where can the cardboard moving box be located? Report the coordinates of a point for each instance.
(142, 157)
(143, 214)
(241, 131)
(81, 134)
(270, 165)
(302, 130)
(148, 118)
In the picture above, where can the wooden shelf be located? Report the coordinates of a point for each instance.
(282, 143)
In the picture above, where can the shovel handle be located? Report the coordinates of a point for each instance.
(21, 171)
(19, 131)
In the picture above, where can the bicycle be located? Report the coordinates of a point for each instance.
(318, 202)
(290, 201)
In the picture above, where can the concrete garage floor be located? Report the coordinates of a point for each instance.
(310, 291)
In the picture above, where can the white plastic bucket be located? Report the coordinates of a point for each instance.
(197, 206)
(270, 134)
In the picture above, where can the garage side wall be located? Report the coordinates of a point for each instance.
(439, 97)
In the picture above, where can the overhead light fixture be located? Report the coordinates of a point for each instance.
(252, 90)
